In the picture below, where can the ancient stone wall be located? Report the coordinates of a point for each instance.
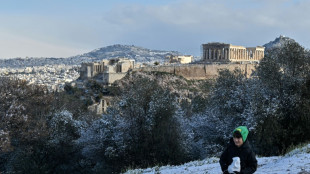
(109, 78)
(198, 71)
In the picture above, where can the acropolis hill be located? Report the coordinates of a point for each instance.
(215, 56)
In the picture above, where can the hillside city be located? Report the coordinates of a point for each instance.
(54, 77)
(55, 73)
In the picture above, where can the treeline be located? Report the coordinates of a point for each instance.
(156, 118)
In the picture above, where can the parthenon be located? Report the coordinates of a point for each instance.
(221, 52)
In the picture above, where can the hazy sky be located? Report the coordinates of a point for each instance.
(63, 28)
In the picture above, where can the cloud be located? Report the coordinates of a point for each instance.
(238, 22)
(12, 46)
(181, 25)
(210, 14)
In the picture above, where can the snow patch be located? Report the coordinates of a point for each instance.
(295, 162)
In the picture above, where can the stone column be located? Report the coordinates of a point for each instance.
(204, 56)
(257, 55)
(249, 54)
(213, 57)
(215, 54)
(244, 52)
(209, 53)
(243, 55)
(233, 53)
(238, 54)
(226, 54)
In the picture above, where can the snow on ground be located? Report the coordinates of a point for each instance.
(295, 162)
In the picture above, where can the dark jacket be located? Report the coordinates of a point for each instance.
(248, 161)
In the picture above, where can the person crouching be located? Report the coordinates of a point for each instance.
(238, 157)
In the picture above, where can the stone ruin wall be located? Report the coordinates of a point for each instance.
(198, 71)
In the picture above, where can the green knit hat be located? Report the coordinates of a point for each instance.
(244, 132)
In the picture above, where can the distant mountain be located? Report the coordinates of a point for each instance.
(139, 54)
(278, 42)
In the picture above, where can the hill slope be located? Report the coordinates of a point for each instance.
(139, 54)
(130, 51)
(295, 162)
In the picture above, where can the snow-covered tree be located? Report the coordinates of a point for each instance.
(142, 128)
(284, 73)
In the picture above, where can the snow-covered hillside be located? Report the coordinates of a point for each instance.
(139, 54)
(278, 42)
(295, 162)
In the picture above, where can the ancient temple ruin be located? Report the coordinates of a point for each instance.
(109, 69)
(221, 52)
(180, 59)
